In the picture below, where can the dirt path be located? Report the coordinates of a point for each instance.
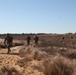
(9, 59)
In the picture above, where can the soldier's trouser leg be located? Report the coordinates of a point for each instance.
(28, 42)
(36, 42)
(8, 48)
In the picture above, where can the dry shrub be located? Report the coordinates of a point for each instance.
(33, 53)
(9, 71)
(23, 52)
(30, 54)
(44, 43)
(50, 50)
(57, 66)
(72, 56)
(39, 55)
(69, 53)
(23, 62)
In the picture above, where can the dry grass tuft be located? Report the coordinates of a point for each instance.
(5, 70)
(33, 53)
(58, 66)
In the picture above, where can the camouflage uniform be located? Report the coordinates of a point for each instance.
(28, 40)
(36, 39)
(8, 42)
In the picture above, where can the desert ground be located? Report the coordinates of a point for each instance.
(55, 54)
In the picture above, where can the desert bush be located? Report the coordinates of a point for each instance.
(23, 62)
(39, 55)
(68, 53)
(32, 52)
(23, 52)
(72, 56)
(57, 66)
(9, 71)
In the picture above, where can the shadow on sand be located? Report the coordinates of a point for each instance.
(10, 53)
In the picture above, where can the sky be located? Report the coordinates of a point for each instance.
(37, 16)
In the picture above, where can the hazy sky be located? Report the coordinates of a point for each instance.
(37, 16)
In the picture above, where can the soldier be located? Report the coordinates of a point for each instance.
(63, 38)
(28, 39)
(8, 42)
(36, 39)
